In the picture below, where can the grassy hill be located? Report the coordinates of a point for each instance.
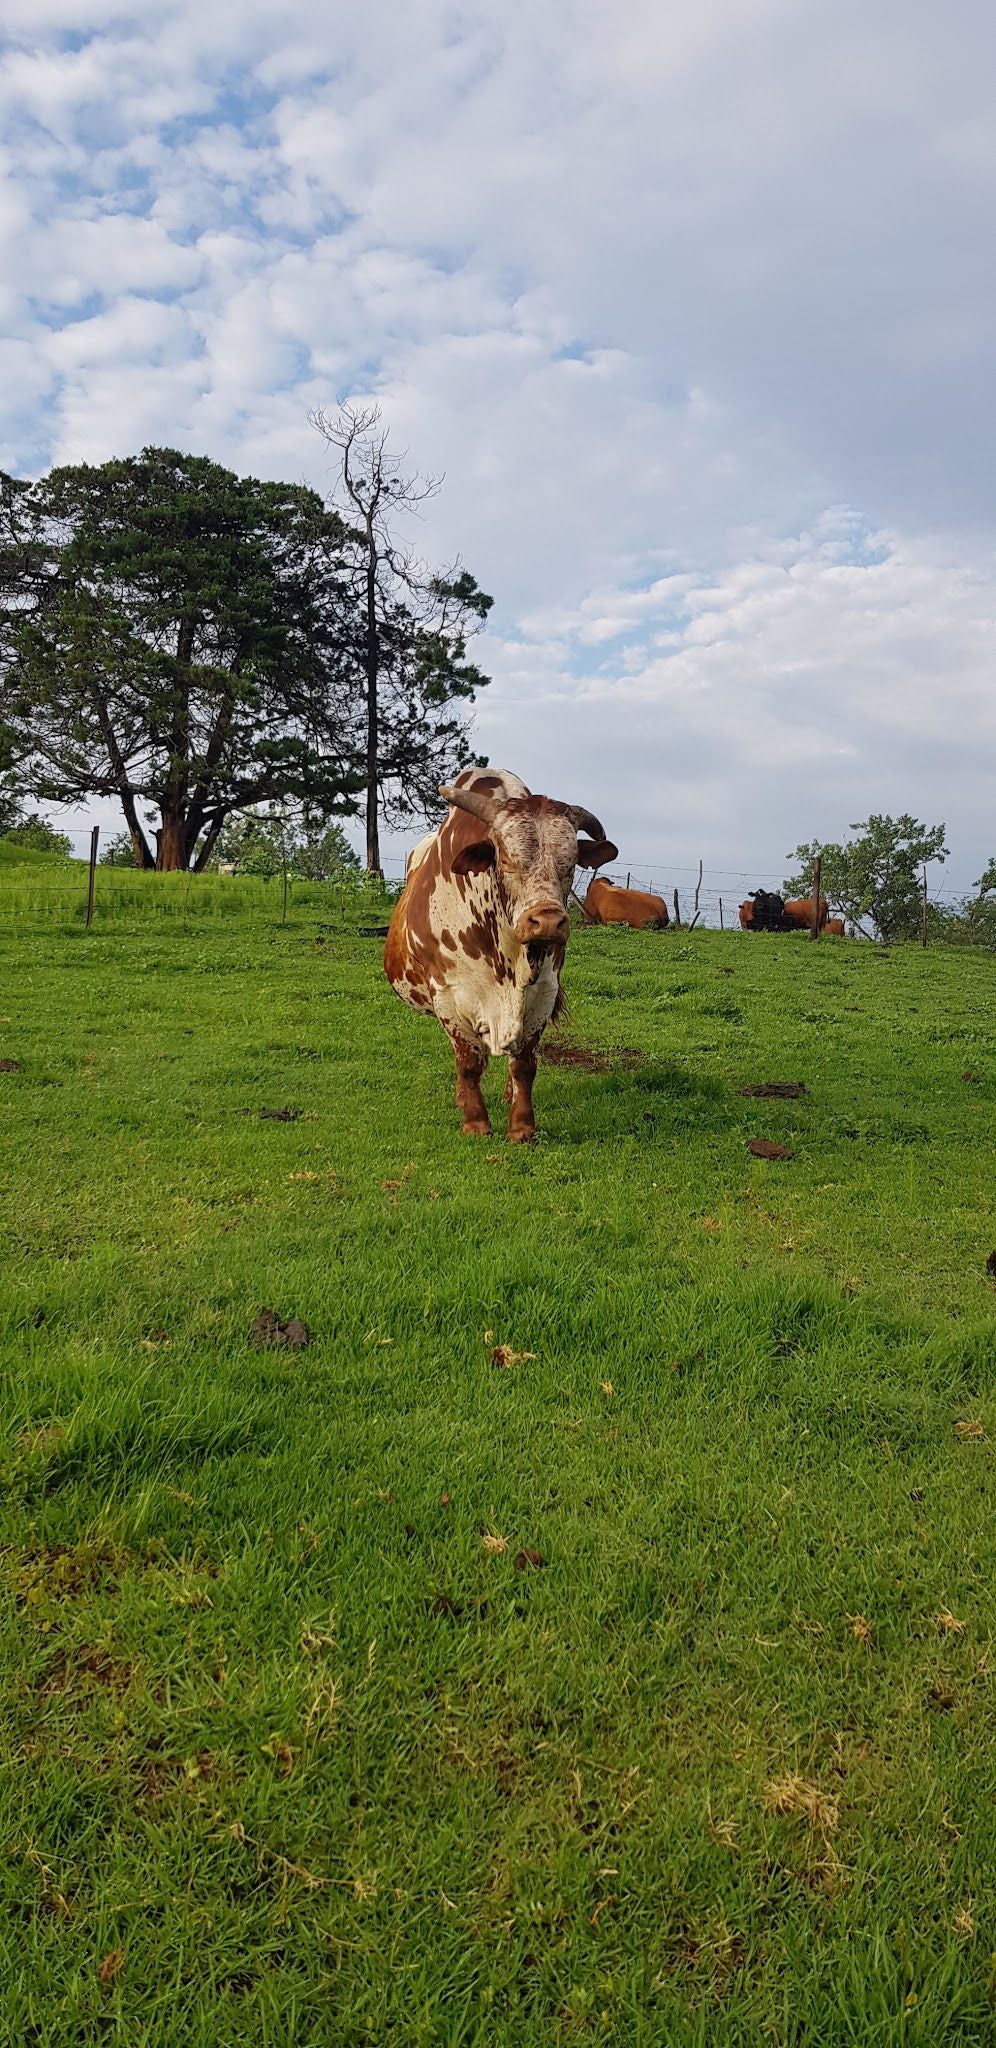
(638, 1691)
(14, 856)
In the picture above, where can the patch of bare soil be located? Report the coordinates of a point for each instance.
(765, 1148)
(83, 1670)
(784, 1090)
(558, 1054)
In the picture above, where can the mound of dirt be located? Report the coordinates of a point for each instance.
(268, 1329)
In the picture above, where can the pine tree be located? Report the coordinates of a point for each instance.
(176, 635)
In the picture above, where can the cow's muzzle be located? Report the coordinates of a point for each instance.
(546, 925)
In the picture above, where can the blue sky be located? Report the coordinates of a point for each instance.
(696, 315)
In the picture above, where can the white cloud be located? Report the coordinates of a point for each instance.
(654, 288)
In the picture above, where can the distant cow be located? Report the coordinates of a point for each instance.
(799, 913)
(834, 928)
(480, 929)
(604, 903)
(766, 911)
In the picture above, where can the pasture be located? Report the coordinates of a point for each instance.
(638, 1691)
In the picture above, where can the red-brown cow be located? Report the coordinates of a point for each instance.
(480, 929)
(604, 903)
(799, 913)
(834, 928)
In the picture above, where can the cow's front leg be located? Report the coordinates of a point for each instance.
(519, 1094)
(471, 1061)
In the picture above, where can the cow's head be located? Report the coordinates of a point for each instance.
(534, 846)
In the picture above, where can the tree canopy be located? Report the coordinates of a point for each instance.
(178, 637)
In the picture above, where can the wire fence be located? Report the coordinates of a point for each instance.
(711, 897)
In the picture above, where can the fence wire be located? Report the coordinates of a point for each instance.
(720, 892)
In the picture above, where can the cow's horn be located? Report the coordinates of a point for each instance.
(479, 802)
(584, 821)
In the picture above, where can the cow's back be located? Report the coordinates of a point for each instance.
(798, 912)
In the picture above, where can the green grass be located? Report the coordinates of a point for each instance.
(280, 1726)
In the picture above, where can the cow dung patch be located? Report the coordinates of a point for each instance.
(281, 1116)
(269, 1329)
(10, 1066)
(784, 1090)
(765, 1148)
(991, 1264)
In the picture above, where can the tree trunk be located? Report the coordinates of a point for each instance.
(207, 843)
(171, 847)
(139, 844)
(373, 734)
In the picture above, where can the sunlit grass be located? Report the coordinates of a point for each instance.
(301, 1744)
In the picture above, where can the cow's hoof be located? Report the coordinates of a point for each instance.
(522, 1134)
(478, 1130)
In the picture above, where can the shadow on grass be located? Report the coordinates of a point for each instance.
(652, 1102)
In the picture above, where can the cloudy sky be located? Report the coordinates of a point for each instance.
(694, 307)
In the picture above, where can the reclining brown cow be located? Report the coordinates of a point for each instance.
(605, 903)
(766, 911)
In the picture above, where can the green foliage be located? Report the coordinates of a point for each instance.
(118, 852)
(977, 918)
(11, 810)
(279, 1726)
(38, 836)
(261, 842)
(176, 634)
(874, 877)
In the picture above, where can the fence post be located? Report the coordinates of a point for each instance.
(923, 909)
(698, 885)
(94, 836)
(677, 909)
(627, 877)
(721, 925)
(817, 865)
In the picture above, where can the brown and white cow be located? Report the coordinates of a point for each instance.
(606, 903)
(480, 929)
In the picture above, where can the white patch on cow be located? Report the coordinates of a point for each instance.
(418, 853)
(472, 1000)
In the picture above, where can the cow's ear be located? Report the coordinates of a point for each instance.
(593, 853)
(472, 860)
